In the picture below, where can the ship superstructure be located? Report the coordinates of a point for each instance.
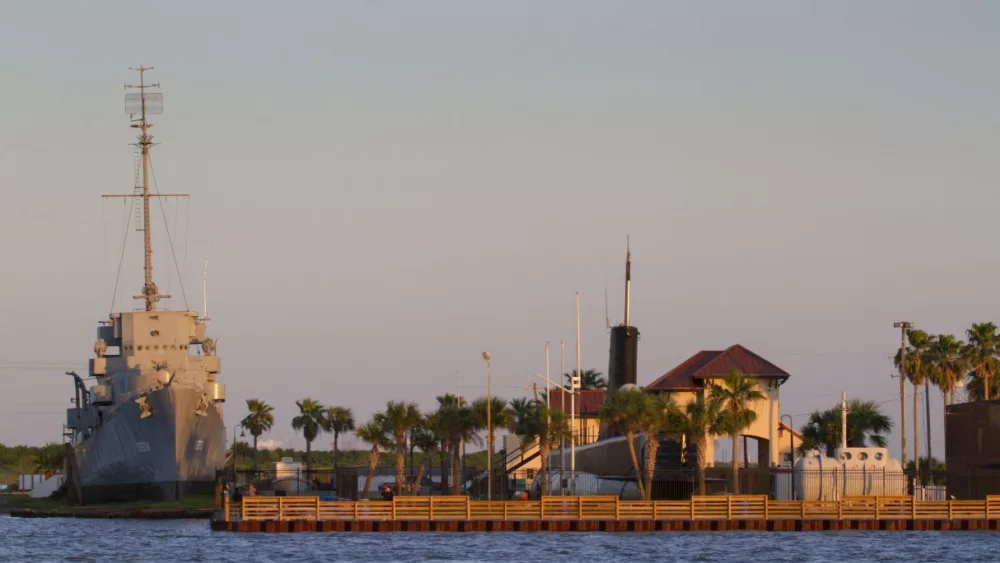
(151, 426)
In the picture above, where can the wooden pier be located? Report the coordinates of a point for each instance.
(605, 514)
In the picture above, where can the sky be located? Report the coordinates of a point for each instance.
(387, 189)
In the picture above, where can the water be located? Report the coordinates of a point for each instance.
(190, 540)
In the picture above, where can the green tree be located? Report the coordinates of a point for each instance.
(341, 420)
(866, 424)
(917, 373)
(736, 398)
(624, 411)
(258, 421)
(949, 364)
(984, 345)
(590, 379)
(311, 421)
(456, 424)
(400, 419)
(701, 419)
(500, 414)
(662, 418)
(428, 442)
(374, 433)
(545, 428)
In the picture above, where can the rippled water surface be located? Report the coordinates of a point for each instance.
(191, 540)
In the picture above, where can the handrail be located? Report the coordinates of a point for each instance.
(743, 507)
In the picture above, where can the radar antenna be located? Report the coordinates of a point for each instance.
(145, 103)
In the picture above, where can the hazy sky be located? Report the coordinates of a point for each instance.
(389, 188)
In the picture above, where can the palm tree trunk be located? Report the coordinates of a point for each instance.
(702, 448)
(652, 446)
(746, 453)
(445, 466)
(336, 467)
(308, 455)
(420, 476)
(736, 459)
(630, 437)
(927, 402)
(255, 452)
(400, 463)
(916, 431)
(543, 449)
(372, 462)
(456, 471)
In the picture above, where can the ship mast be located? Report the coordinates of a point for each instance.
(149, 291)
(148, 104)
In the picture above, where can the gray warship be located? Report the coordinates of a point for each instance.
(150, 427)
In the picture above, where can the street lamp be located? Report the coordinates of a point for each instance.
(242, 435)
(791, 446)
(489, 430)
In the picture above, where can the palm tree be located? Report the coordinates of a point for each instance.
(950, 365)
(916, 372)
(736, 398)
(260, 420)
(341, 420)
(311, 421)
(590, 379)
(701, 419)
(520, 409)
(457, 424)
(500, 415)
(436, 422)
(401, 418)
(624, 411)
(548, 429)
(661, 417)
(865, 424)
(427, 441)
(984, 346)
(374, 433)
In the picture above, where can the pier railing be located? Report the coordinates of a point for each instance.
(611, 508)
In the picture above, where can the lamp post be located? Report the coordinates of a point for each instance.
(489, 430)
(242, 435)
(903, 327)
(791, 446)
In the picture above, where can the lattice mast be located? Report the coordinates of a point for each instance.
(144, 104)
(150, 293)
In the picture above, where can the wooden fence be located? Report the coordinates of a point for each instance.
(610, 508)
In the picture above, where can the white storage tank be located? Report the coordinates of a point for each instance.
(871, 472)
(816, 477)
(287, 467)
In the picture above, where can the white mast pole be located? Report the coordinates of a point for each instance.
(574, 385)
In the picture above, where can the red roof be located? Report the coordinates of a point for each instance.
(588, 402)
(714, 364)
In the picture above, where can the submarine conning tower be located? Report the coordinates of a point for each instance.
(624, 340)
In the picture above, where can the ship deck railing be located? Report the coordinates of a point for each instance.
(733, 507)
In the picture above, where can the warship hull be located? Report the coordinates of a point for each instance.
(172, 452)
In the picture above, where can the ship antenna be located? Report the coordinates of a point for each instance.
(628, 283)
(144, 104)
(204, 290)
(149, 291)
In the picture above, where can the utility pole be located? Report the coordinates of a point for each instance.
(548, 389)
(562, 398)
(489, 430)
(575, 384)
(903, 326)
